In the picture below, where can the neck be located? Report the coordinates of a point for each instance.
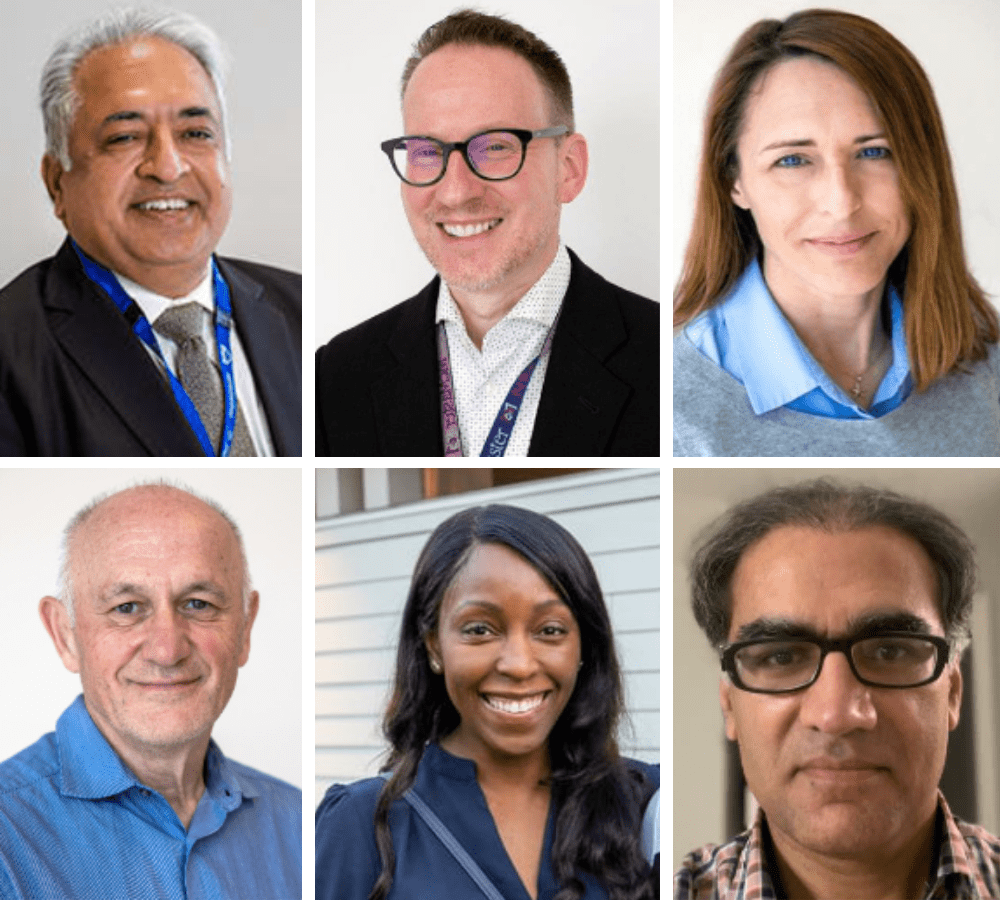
(844, 334)
(177, 773)
(483, 306)
(523, 773)
(893, 874)
(171, 281)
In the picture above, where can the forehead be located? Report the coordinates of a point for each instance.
(460, 85)
(157, 531)
(142, 72)
(805, 95)
(827, 580)
(496, 570)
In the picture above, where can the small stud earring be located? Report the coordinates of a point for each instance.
(435, 666)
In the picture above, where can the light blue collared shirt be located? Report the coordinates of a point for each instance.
(748, 336)
(75, 822)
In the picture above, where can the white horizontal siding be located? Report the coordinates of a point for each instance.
(363, 566)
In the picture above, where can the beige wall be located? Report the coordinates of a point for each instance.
(970, 496)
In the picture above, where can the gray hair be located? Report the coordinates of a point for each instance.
(59, 98)
(832, 507)
(65, 590)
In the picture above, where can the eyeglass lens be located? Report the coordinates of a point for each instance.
(785, 665)
(494, 155)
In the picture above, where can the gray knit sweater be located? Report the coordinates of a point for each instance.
(958, 415)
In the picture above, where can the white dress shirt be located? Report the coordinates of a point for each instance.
(483, 378)
(152, 305)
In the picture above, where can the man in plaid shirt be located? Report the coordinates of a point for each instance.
(840, 615)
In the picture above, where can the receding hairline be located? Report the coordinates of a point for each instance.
(76, 530)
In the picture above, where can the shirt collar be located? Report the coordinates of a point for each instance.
(771, 361)
(91, 770)
(539, 305)
(153, 304)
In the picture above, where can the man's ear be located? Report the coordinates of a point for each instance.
(726, 702)
(251, 617)
(55, 618)
(954, 675)
(52, 173)
(573, 161)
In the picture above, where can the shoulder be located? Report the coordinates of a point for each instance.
(275, 789)
(646, 774)
(347, 804)
(710, 871)
(634, 307)
(417, 310)
(282, 287)
(34, 766)
(20, 299)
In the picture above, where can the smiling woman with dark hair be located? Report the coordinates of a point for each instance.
(825, 306)
(502, 726)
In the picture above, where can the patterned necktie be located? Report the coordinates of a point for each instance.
(200, 375)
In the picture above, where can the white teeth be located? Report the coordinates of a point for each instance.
(469, 230)
(515, 706)
(164, 205)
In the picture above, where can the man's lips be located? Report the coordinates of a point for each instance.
(167, 685)
(164, 204)
(839, 770)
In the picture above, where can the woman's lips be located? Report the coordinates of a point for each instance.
(845, 245)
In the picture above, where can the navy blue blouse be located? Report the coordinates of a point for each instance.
(347, 860)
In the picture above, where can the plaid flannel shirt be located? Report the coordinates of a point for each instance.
(968, 865)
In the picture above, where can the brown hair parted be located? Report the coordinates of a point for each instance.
(948, 319)
(831, 507)
(467, 26)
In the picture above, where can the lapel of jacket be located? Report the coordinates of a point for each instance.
(581, 399)
(271, 351)
(406, 399)
(96, 336)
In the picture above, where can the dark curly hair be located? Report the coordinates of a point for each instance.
(599, 801)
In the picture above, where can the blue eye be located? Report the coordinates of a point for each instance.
(875, 153)
(792, 161)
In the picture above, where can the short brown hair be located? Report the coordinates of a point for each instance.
(948, 318)
(467, 26)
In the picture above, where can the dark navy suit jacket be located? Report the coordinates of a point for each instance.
(76, 381)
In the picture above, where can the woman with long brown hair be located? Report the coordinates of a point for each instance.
(825, 307)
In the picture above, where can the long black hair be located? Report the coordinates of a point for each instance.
(598, 799)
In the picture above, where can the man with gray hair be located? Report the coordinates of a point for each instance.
(130, 796)
(840, 615)
(135, 340)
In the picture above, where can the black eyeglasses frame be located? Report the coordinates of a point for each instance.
(524, 135)
(728, 653)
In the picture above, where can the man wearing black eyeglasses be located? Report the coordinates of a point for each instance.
(840, 616)
(517, 348)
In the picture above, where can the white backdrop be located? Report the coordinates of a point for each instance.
(955, 42)
(264, 98)
(262, 726)
(366, 257)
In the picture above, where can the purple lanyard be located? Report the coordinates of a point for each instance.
(503, 425)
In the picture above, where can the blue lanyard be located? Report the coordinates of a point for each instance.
(503, 424)
(140, 325)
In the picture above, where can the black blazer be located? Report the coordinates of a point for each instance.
(76, 381)
(377, 384)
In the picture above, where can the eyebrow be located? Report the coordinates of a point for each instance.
(767, 628)
(808, 142)
(128, 589)
(131, 115)
(497, 608)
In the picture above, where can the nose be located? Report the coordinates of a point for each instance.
(167, 642)
(839, 191)
(837, 703)
(163, 159)
(517, 657)
(459, 183)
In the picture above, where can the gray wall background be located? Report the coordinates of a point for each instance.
(263, 41)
